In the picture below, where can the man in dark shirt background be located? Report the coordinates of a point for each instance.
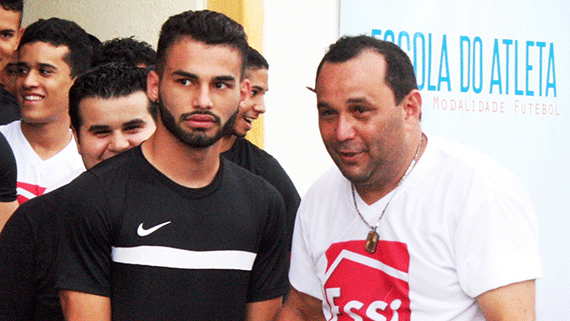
(242, 152)
(11, 31)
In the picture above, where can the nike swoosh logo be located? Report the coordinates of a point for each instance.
(141, 231)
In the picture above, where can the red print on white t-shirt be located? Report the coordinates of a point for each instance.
(28, 191)
(364, 286)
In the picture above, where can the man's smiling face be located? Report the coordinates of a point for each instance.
(254, 105)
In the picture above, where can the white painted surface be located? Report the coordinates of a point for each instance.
(297, 34)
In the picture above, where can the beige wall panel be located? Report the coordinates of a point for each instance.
(249, 13)
(109, 19)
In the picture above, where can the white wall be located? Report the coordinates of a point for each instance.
(297, 33)
(110, 19)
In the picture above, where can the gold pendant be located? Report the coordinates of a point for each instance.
(371, 242)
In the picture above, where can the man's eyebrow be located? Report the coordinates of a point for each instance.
(46, 65)
(356, 100)
(225, 78)
(40, 65)
(192, 76)
(185, 74)
(8, 30)
(134, 122)
(259, 88)
(94, 128)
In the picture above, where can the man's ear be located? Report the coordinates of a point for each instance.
(152, 85)
(412, 105)
(20, 33)
(245, 92)
(76, 137)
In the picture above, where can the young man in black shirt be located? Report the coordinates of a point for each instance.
(172, 231)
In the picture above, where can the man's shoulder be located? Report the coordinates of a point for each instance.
(6, 154)
(20, 146)
(10, 130)
(329, 183)
(40, 217)
(109, 175)
(247, 155)
(10, 110)
(51, 199)
(465, 171)
(126, 161)
(245, 181)
(42, 209)
(7, 97)
(456, 158)
(242, 143)
(241, 174)
(244, 152)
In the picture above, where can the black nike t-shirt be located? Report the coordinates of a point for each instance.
(162, 251)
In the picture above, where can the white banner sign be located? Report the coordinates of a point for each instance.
(494, 75)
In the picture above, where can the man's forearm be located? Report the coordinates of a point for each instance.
(301, 307)
(79, 306)
(511, 302)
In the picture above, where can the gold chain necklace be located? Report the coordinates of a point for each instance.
(373, 237)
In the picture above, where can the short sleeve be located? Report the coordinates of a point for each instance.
(85, 251)
(269, 272)
(276, 176)
(497, 238)
(8, 172)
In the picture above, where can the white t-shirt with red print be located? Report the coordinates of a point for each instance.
(34, 174)
(458, 226)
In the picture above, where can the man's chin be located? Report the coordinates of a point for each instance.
(352, 172)
(239, 132)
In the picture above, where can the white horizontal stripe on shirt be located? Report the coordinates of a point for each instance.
(161, 256)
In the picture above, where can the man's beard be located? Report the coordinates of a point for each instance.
(198, 139)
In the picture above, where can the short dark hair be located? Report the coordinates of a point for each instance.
(127, 50)
(255, 60)
(58, 32)
(400, 76)
(107, 81)
(96, 46)
(13, 5)
(209, 27)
